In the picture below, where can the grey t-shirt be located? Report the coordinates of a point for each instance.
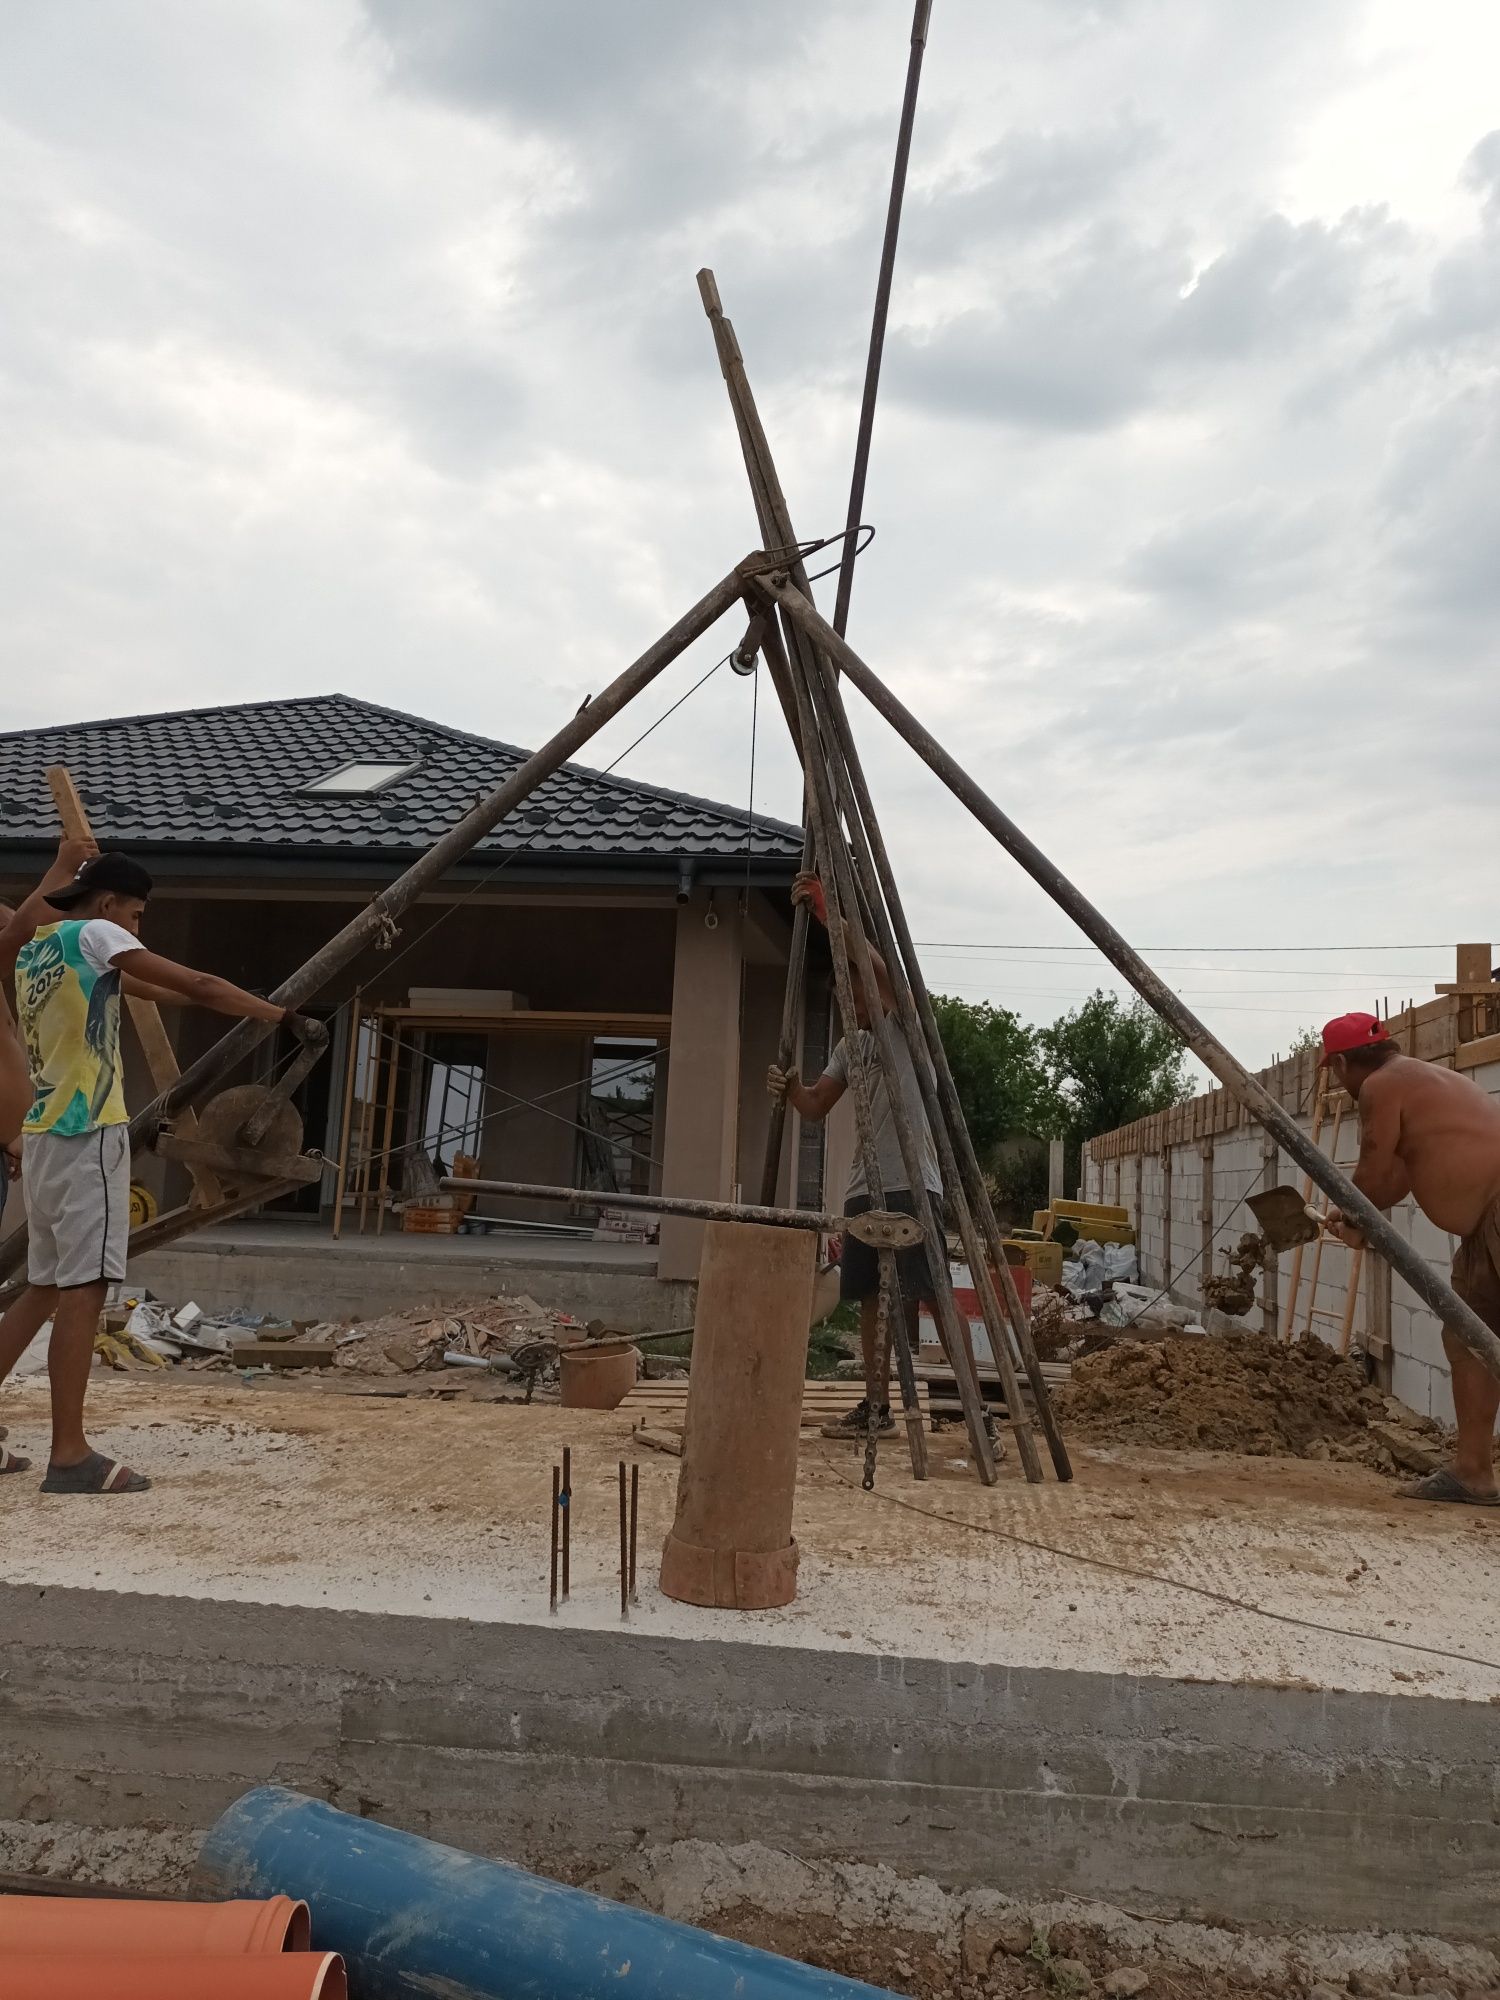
(887, 1148)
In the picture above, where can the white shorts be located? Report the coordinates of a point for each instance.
(77, 1205)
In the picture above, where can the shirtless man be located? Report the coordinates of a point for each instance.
(1432, 1134)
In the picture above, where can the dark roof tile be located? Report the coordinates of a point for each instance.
(232, 777)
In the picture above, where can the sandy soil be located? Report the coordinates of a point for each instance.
(427, 1508)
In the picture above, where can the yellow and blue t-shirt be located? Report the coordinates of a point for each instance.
(68, 1006)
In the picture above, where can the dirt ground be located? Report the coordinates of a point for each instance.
(1245, 1393)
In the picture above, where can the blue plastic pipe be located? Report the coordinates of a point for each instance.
(414, 1919)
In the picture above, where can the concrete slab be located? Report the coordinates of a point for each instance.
(1056, 1690)
(1189, 1566)
(296, 1269)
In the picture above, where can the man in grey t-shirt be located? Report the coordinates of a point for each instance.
(859, 1265)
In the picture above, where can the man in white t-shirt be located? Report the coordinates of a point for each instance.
(859, 1265)
(76, 1145)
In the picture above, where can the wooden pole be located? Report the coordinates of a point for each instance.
(145, 1015)
(1460, 1319)
(394, 1075)
(1166, 1217)
(344, 1118)
(1206, 1220)
(1271, 1271)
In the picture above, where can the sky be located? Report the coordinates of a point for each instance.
(355, 344)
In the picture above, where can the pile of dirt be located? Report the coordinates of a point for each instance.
(1246, 1393)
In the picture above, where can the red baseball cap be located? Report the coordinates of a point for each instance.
(1352, 1031)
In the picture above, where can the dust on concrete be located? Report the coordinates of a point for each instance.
(914, 1936)
(1246, 1393)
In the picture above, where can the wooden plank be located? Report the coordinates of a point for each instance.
(1471, 1054)
(821, 1400)
(283, 1354)
(145, 1016)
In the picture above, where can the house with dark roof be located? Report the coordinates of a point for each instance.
(590, 1000)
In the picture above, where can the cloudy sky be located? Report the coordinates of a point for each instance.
(355, 344)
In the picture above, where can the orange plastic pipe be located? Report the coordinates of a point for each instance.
(32, 1926)
(291, 1975)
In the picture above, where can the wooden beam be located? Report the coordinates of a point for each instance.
(145, 1015)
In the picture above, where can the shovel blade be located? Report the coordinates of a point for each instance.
(1283, 1217)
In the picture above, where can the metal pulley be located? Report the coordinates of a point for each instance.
(253, 1132)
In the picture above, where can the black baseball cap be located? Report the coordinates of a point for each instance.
(115, 874)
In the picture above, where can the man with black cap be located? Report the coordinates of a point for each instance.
(1434, 1135)
(76, 1153)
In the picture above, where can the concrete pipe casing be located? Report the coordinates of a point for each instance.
(731, 1544)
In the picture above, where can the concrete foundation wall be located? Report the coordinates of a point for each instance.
(1258, 1804)
(314, 1280)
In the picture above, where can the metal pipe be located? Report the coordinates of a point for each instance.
(565, 1499)
(1460, 1319)
(654, 1204)
(624, 1546)
(881, 313)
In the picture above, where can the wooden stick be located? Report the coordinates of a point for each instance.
(145, 1015)
(394, 1061)
(567, 1521)
(1356, 1269)
(1317, 1256)
(344, 1119)
(1319, 1106)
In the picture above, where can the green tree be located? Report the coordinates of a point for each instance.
(1002, 1083)
(1110, 1063)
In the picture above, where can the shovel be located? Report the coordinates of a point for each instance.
(1285, 1218)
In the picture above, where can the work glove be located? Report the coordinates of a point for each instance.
(312, 1033)
(780, 1081)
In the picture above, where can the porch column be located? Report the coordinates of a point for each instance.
(703, 1073)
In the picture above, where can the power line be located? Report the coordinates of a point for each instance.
(931, 944)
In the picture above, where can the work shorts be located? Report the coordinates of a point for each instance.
(1476, 1268)
(859, 1263)
(77, 1205)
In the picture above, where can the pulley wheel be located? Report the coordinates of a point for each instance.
(220, 1120)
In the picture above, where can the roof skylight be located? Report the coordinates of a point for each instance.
(358, 778)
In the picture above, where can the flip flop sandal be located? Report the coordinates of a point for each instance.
(1443, 1486)
(94, 1474)
(11, 1461)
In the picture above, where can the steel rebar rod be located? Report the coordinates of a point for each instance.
(655, 1204)
(1460, 1319)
